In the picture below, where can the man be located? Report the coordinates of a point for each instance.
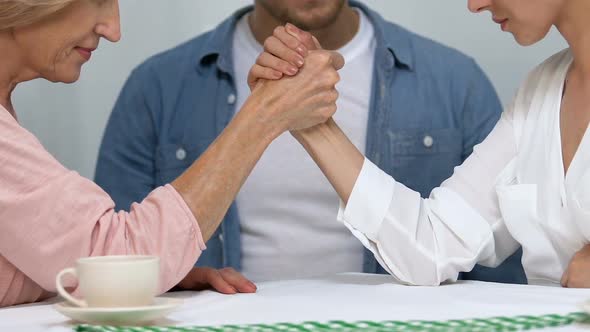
(412, 106)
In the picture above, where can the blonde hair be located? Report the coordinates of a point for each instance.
(18, 13)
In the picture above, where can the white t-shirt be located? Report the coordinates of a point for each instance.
(287, 207)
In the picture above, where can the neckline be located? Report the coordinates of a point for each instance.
(350, 50)
(362, 38)
(565, 175)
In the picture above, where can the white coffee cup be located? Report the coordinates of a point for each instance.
(113, 281)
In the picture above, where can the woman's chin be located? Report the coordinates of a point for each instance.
(71, 80)
(66, 78)
(528, 39)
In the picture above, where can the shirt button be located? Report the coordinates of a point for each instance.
(221, 238)
(180, 154)
(231, 99)
(428, 141)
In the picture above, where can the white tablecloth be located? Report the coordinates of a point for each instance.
(350, 297)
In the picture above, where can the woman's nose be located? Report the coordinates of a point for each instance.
(476, 6)
(110, 25)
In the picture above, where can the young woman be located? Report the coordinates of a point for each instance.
(527, 184)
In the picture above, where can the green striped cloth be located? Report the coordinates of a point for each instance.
(497, 324)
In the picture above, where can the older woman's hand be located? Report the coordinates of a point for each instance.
(284, 54)
(577, 274)
(226, 281)
(300, 101)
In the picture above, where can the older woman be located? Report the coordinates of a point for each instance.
(50, 216)
(527, 184)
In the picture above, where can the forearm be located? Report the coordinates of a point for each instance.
(334, 153)
(210, 185)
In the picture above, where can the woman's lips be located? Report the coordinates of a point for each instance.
(86, 53)
(502, 21)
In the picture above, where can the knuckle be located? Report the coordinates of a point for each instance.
(291, 56)
(268, 42)
(278, 30)
(330, 97)
(335, 94)
(327, 112)
(256, 71)
(227, 269)
(333, 77)
(319, 57)
(210, 273)
(284, 66)
(293, 43)
(330, 78)
(324, 57)
(306, 37)
(333, 109)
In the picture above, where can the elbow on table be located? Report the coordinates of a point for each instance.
(431, 277)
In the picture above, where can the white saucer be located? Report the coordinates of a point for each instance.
(119, 316)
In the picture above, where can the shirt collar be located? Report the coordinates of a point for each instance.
(218, 44)
(390, 37)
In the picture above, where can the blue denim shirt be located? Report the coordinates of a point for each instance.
(429, 106)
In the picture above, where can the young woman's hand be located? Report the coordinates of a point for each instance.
(577, 274)
(284, 54)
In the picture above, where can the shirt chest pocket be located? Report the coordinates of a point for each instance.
(173, 159)
(423, 158)
(425, 142)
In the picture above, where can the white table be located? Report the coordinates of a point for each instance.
(350, 297)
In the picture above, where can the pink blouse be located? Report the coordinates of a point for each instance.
(51, 216)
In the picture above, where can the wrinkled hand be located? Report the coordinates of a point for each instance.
(284, 54)
(300, 101)
(577, 275)
(226, 281)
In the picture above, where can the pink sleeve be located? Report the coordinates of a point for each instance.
(49, 217)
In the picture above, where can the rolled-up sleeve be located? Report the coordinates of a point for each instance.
(51, 216)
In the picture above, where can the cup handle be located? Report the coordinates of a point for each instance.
(63, 293)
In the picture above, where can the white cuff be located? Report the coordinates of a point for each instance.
(369, 201)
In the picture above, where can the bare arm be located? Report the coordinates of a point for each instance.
(210, 185)
(334, 153)
(330, 148)
(51, 214)
(419, 241)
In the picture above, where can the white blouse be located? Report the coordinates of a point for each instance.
(511, 191)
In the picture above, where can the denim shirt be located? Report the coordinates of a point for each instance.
(429, 106)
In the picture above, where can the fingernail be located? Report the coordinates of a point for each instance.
(292, 70)
(277, 75)
(300, 62)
